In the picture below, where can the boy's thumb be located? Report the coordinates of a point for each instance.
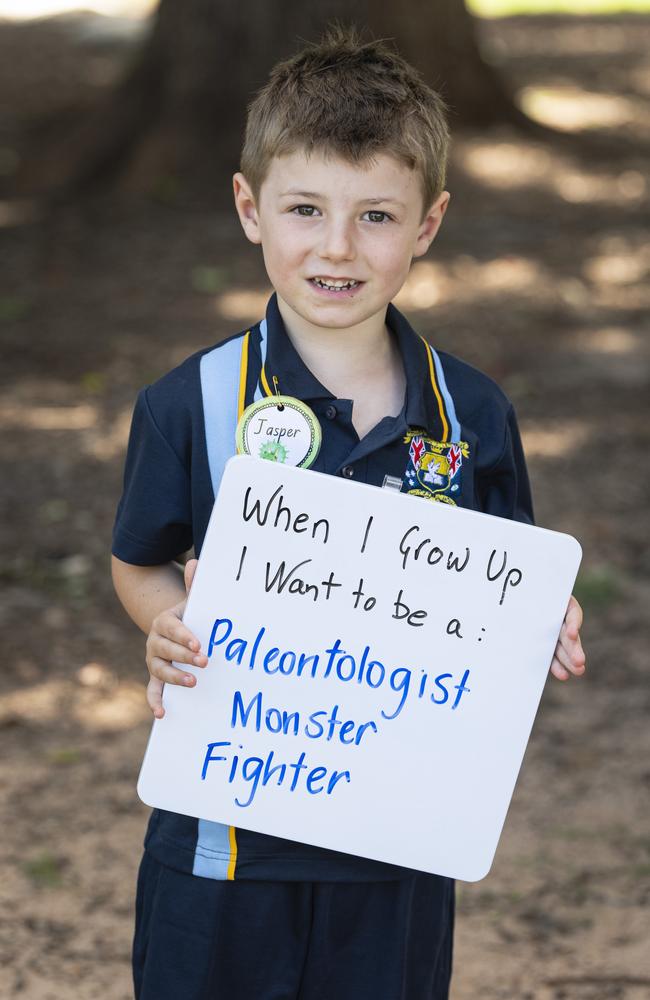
(190, 570)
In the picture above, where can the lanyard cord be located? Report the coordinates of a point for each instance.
(436, 392)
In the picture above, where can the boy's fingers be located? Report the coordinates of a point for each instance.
(189, 571)
(168, 674)
(558, 670)
(170, 626)
(564, 658)
(575, 653)
(572, 645)
(573, 618)
(154, 697)
(168, 650)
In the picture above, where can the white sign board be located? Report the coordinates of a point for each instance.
(375, 665)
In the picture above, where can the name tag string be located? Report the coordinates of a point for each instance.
(279, 428)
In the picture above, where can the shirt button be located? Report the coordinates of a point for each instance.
(331, 412)
(347, 471)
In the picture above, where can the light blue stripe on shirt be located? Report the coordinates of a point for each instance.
(259, 393)
(454, 425)
(212, 853)
(219, 390)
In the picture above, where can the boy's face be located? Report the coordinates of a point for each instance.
(337, 238)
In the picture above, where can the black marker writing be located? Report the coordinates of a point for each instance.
(402, 611)
(241, 564)
(512, 578)
(367, 532)
(453, 628)
(369, 602)
(429, 552)
(284, 517)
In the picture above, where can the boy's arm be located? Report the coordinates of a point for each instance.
(154, 598)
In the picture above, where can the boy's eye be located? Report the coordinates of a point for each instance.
(378, 217)
(306, 210)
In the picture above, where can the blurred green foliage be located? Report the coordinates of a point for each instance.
(44, 870)
(63, 756)
(208, 280)
(54, 510)
(93, 382)
(12, 308)
(598, 588)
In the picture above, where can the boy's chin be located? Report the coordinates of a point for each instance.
(330, 313)
(340, 319)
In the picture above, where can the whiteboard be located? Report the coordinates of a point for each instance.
(375, 665)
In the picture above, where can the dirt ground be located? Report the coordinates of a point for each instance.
(539, 277)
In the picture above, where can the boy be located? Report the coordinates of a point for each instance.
(342, 185)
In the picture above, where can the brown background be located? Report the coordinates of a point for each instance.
(540, 277)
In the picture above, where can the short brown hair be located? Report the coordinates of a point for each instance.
(351, 99)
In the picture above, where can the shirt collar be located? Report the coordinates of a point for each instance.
(421, 406)
(295, 379)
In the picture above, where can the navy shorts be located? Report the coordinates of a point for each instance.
(198, 939)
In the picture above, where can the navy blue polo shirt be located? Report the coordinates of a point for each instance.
(455, 440)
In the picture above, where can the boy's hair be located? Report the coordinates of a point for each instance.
(343, 97)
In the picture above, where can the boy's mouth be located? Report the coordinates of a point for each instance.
(335, 284)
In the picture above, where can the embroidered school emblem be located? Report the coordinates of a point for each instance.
(434, 467)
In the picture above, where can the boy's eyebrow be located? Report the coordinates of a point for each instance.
(382, 200)
(300, 194)
(363, 201)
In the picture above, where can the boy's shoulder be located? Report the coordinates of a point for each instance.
(179, 388)
(184, 377)
(470, 391)
(172, 405)
(474, 392)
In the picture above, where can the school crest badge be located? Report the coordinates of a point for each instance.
(434, 468)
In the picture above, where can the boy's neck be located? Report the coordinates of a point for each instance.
(361, 363)
(339, 358)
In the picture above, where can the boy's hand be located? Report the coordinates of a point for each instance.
(170, 640)
(569, 655)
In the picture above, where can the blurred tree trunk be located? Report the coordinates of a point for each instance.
(177, 119)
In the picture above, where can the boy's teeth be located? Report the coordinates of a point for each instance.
(335, 285)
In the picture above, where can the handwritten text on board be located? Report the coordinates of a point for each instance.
(374, 661)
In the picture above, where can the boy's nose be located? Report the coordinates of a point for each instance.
(337, 243)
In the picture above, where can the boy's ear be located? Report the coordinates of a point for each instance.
(431, 224)
(246, 208)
